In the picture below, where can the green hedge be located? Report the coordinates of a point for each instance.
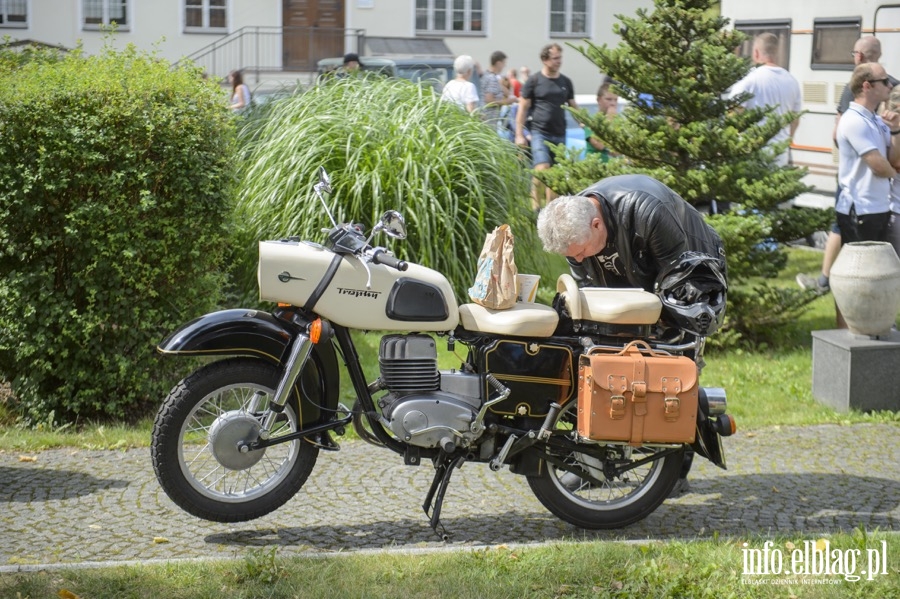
(115, 180)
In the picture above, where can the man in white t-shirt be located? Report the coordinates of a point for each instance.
(865, 143)
(771, 85)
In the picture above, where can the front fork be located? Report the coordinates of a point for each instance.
(315, 332)
(296, 361)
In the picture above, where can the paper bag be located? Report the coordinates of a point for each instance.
(495, 282)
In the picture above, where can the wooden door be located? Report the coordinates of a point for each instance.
(313, 29)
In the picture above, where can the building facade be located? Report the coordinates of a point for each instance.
(290, 35)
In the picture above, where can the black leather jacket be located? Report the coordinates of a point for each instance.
(650, 226)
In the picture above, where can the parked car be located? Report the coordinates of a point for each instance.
(434, 71)
(575, 139)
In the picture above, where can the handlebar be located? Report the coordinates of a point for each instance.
(380, 256)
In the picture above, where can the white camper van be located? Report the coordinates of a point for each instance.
(816, 43)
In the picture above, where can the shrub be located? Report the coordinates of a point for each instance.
(387, 144)
(16, 53)
(115, 175)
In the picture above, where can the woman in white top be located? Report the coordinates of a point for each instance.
(240, 93)
(461, 91)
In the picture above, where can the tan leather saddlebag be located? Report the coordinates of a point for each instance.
(637, 395)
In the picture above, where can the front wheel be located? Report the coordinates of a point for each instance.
(619, 500)
(197, 436)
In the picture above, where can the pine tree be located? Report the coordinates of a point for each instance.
(675, 66)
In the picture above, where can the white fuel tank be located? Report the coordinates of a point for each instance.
(418, 299)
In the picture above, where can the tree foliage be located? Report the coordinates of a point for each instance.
(387, 144)
(115, 179)
(675, 66)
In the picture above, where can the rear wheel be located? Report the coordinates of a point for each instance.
(620, 500)
(198, 433)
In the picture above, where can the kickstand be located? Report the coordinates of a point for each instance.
(439, 485)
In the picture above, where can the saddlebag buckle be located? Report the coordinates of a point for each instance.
(617, 407)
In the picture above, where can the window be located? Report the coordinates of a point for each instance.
(99, 13)
(833, 41)
(13, 13)
(205, 15)
(781, 29)
(569, 18)
(450, 16)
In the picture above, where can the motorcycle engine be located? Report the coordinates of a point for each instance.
(423, 406)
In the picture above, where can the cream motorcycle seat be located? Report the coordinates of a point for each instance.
(522, 320)
(607, 304)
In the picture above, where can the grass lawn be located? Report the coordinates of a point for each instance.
(677, 569)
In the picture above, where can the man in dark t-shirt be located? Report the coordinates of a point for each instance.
(541, 111)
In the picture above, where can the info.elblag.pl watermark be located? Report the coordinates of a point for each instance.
(812, 562)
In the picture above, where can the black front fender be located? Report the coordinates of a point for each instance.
(243, 332)
(232, 333)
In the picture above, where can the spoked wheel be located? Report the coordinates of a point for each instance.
(197, 438)
(618, 500)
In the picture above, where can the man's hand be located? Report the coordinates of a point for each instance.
(891, 118)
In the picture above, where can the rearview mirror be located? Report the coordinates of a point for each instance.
(324, 180)
(393, 224)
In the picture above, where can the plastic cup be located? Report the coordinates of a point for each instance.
(526, 287)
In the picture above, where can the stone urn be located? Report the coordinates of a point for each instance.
(865, 282)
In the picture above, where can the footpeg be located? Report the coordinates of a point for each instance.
(497, 463)
(324, 442)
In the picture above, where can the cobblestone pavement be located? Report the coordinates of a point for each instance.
(71, 506)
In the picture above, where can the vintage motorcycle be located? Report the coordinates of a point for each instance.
(238, 437)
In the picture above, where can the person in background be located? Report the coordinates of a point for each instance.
(524, 74)
(460, 90)
(771, 85)
(607, 103)
(866, 151)
(493, 96)
(351, 62)
(240, 93)
(541, 107)
(893, 228)
(514, 83)
(866, 49)
(511, 126)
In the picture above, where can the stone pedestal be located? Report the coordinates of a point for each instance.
(853, 371)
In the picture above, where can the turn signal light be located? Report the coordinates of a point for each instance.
(725, 425)
(315, 330)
